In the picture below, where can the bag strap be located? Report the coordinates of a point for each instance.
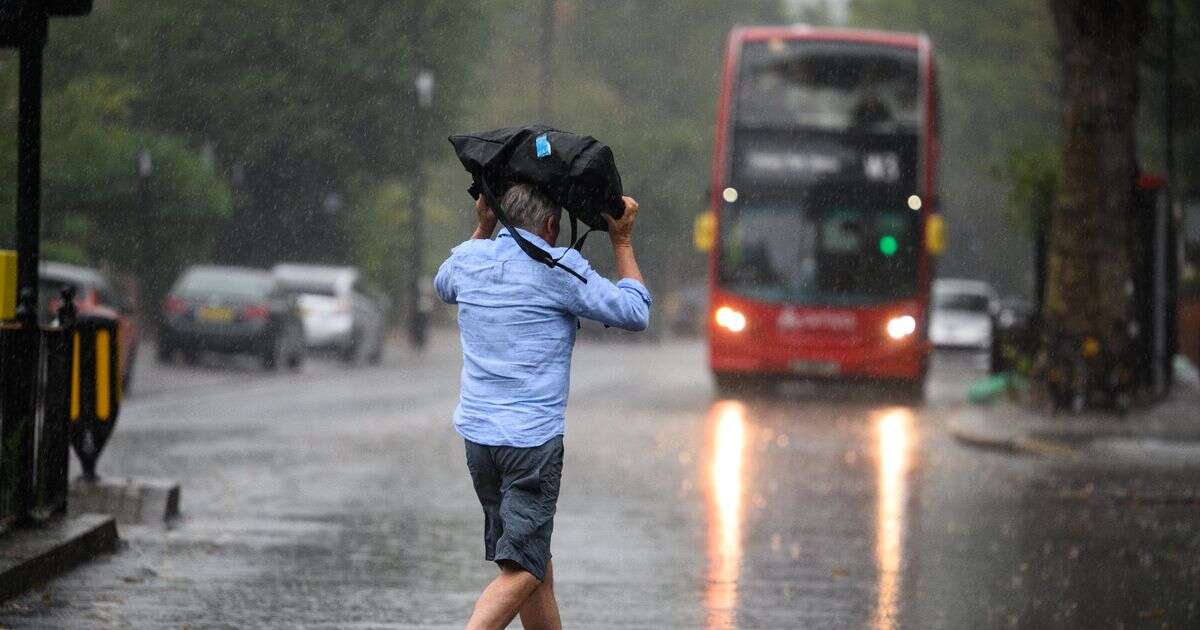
(576, 245)
(579, 244)
(576, 240)
(531, 250)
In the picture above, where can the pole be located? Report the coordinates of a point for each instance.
(1169, 105)
(416, 315)
(1039, 262)
(1171, 258)
(29, 174)
(21, 390)
(546, 83)
(143, 166)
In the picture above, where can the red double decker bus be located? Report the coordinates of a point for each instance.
(823, 195)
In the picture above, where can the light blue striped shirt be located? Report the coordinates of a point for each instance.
(517, 318)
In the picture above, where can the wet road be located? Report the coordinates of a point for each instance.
(339, 498)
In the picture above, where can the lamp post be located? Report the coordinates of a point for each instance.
(423, 89)
(332, 203)
(143, 168)
(1169, 106)
(23, 355)
(24, 25)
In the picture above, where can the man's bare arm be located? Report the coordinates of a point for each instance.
(620, 232)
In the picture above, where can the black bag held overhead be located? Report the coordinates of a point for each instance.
(575, 172)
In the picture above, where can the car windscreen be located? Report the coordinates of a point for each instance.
(836, 254)
(968, 302)
(231, 283)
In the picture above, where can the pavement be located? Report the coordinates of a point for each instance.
(36, 554)
(1165, 434)
(339, 498)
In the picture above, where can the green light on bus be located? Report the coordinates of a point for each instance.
(888, 245)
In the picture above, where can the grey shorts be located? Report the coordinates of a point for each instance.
(518, 488)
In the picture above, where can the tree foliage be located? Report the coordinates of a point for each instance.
(302, 104)
(641, 76)
(1033, 173)
(297, 105)
(90, 211)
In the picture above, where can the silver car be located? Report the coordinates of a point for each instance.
(338, 311)
(962, 314)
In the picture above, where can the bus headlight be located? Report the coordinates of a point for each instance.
(731, 320)
(901, 327)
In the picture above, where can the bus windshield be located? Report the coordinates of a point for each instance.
(828, 86)
(836, 254)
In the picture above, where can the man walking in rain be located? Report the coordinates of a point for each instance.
(518, 320)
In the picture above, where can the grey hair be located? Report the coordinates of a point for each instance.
(527, 208)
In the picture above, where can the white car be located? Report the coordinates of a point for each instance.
(962, 314)
(338, 312)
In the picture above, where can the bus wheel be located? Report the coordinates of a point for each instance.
(742, 385)
(912, 392)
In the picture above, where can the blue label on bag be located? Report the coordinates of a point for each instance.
(542, 144)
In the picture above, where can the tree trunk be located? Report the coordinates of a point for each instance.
(1090, 262)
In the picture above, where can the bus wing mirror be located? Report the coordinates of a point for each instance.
(704, 231)
(935, 234)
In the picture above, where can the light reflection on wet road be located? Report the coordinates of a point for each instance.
(340, 499)
(893, 429)
(728, 427)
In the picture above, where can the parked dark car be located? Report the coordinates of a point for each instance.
(232, 310)
(95, 294)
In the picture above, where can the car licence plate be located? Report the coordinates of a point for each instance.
(216, 315)
(815, 368)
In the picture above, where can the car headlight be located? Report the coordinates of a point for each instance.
(901, 327)
(730, 319)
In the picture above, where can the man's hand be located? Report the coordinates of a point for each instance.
(621, 230)
(487, 219)
(621, 233)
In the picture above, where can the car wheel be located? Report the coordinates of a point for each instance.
(742, 385)
(297, 356)
(350, 353)
(191, 357)
(913, 392)
(165, 353)
(295, 362)
(377, 354)
(271, 356)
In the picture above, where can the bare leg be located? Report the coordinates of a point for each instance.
(540, 611)
(502, 598)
